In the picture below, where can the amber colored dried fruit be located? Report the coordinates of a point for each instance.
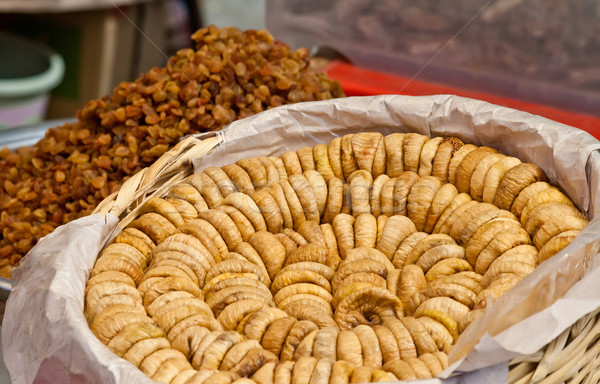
(231, 75)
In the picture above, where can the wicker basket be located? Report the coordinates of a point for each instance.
(573, 357)
(49, 285)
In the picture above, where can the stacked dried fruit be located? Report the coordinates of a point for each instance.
(231, 75)
(359, 261)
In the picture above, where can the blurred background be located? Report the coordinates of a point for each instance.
(545, 52)
(81, 49)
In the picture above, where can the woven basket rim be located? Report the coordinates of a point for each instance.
(553, 363)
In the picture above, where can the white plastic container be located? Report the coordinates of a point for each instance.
(28, 72)
(540, 51)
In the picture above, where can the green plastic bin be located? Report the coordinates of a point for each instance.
(28, 72)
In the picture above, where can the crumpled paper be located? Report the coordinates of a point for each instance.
(45, 335)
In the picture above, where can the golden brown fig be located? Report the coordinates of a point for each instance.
(293, 277)
(412, 280)
(276, 334)
(183, 376)
(207, 188)
(343, 226)
(230, 295)
(280, 166)
(335, 197)
(387, 343)
(443, 156)
(307, 160)
(137, 239)
(213, 355)
(554, 227)
(302, 288)
(272, 172)
(453, 308)
(335, 157)
(224, 225)
(479, 173)
(324, 346)
(420, 369)
(371, 305)
(447, 267)
(189, 340)
(158, 286)
(319, 187)
(485, 234)
(236, 265)
(365, 230)
(400, 369)
(349, 347)
(258, 322)
(394, 154)
(467, 166)
(396, 229)
(143, 348)
(200, 320)
(308, 312)
(527, 193)
(514, 181)
(270, 250)
(254, 359)
(402, 188)
(364, 253)
(234, 313)
(420, 198)
(427, 156)
(361, 183)
(370, 345)
(501, 243)
(293, 203)
(440, 334)
(311, 231)
(256, 170)
(131, 334)
(549, 195)
(187, 192)
(548, 212)
(155, 225)
(208, 235)
(303, 370)
(362, 374)
(248, 207)
(376, 191)
(411, 148)
(240, 178)
(126, 252)
(292, 163)
(265, 374)
(306, 196)
(294, 337)
(322, 372)
(364, 146)
(341, 372)
(223, 182)
(276, 191)
(556, 244)
(406, 345)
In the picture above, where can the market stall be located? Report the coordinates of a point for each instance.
(233, 217)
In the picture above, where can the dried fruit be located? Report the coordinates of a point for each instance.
(231, 75)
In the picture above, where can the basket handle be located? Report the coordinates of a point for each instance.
(172, 166)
